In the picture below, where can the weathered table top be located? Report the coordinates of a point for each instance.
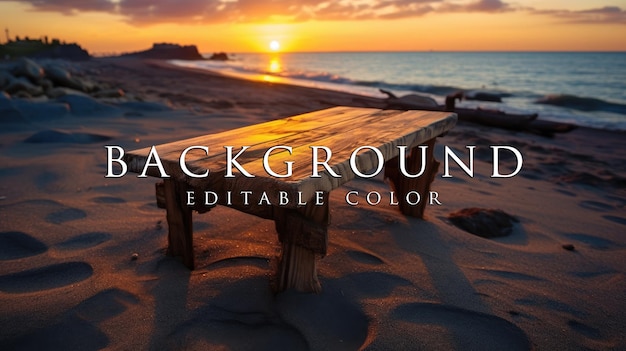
(341, 129)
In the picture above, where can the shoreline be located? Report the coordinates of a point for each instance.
(372, 100)
(349, 99)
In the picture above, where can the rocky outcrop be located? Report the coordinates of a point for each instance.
(72, 52)
(219, 56)
(43, 49)
(166, 51)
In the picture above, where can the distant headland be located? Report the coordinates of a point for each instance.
(171, 51)
(45, 48)
(168, 51)
(42, 48)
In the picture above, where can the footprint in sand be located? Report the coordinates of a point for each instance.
(373, 284)
(565, 192)
(45, 278)
(364, 257)
(245, 307)
(594, 242)
(352, 218)
(605, 274)
(327, 321)
(84, 241)
(469, 330)
(15, 245)
(52, 211)
(104, 305)
(108, 200)
(511, 275)
(585, 330)
(618, 199)
(47, 181)
(65, 215)
(75, 329)
(615, 219)
(70, 334)
(595, 206)
(550, 304)
(532, 176)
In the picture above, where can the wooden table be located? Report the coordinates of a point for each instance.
(302, 229)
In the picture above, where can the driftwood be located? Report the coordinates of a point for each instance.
(488, 117)
(302, 223)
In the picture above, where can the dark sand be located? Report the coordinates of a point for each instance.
(68, 235)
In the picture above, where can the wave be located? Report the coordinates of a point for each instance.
(440, 90)
(583, 111)
(319, 77)
(324, 77)
(582, 103)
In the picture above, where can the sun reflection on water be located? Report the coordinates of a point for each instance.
(275, 66)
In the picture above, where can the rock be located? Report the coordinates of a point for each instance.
(569, 247)
(60, 91)
(8, 112)
(40, 98)
(28, 69)
(219, 56)
(46, 84)
(62, 77)
(109, 93)
(134, 257)
(22, 95)
(86, 105)
(486, 223)
(57, 136)
(144, 106)
(23, 84)
(87, 84)
(40, 111)
(4, 99)
(5, 79)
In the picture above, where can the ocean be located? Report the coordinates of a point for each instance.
(584, 88)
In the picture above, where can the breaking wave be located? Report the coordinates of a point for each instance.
(582, 103)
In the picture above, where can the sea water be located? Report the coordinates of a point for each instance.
(584, 88)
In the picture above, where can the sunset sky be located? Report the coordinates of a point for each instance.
(105, 26)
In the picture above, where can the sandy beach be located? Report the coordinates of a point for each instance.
(83, 264)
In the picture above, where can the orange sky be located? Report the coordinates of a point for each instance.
(103, 26)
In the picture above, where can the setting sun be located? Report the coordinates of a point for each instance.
(274, 45)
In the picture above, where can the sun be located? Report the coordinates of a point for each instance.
(274, 45)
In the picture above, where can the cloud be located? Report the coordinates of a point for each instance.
(141, 12)
(72, 6)
(602, 15)
(146, 12)
(489, 6)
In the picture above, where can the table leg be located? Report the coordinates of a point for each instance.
(304, 235)
(402, 185)
(179, 222)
